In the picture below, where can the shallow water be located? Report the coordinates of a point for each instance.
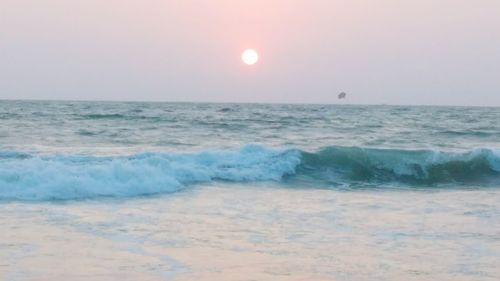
(162, 191)
(256, 233)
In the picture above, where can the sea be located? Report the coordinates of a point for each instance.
(219, 191)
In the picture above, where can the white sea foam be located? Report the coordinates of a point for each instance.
(77, 177)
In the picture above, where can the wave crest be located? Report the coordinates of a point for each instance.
(25, 176)
(77, 177)
(415, 167)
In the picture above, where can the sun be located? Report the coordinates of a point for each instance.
(250, 56)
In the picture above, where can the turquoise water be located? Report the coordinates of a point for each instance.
(77, 150)
(298, 191)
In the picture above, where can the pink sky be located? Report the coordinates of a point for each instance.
(395, 52)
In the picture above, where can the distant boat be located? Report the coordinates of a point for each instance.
(342, 95)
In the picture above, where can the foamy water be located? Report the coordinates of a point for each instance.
(256, 233)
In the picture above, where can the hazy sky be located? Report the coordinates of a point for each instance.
(378, 51)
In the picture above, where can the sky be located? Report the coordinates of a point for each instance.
(426, 52)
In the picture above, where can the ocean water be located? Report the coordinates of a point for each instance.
(199, 191)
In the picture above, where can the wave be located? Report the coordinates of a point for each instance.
(79, 177)
(103, 116)
(118, 116)
(409, 167)
(25, 176)
(473, 133)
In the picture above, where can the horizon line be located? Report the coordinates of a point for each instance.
(246, 102)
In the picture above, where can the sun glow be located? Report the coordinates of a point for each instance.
(250, 56)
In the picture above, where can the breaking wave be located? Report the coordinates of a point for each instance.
(25, 176)
(78, 177)
(410, 167)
